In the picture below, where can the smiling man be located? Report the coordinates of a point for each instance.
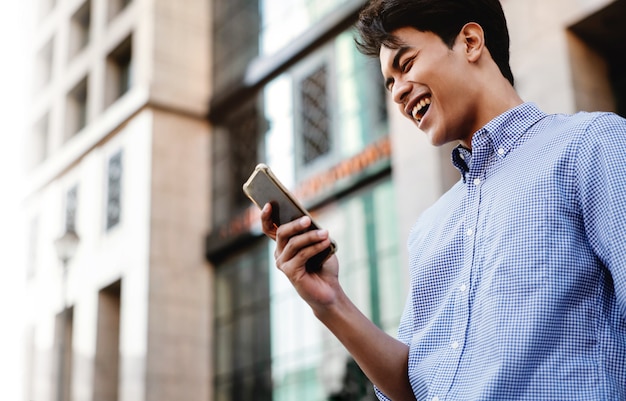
(518, 272)
(449, 93)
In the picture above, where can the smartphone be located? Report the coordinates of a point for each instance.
(263, 187)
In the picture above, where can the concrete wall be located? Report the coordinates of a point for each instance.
(180, 283)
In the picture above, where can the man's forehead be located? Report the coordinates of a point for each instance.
(386, 56)
(386, 52)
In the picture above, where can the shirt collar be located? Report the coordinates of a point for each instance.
(501, 134)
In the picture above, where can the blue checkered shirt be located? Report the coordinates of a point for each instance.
(518, 273)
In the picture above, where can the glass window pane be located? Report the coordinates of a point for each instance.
(242, 346)
(224, 348)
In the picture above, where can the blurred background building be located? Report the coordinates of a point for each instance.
(147, 117)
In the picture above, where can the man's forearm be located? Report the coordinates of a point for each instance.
(382, 358)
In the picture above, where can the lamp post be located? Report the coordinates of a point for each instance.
(65, 246)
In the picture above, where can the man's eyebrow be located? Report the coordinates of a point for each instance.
(396, 59)
(395, 64)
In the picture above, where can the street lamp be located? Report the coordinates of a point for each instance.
(65, 246)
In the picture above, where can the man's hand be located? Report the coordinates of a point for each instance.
(294, 246)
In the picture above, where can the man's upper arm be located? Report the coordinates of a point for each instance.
(601, 184)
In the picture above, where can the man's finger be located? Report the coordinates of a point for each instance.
(268, 226)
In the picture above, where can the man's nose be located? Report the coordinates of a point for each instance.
(400, 91)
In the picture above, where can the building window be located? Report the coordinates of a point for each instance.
(71, 205)
(80, 24)
(64, 345)
(236, 25)
(76, 108)
(337, 108)
(313, 114)
(119, 71)
(106, 377)
(114, 191)
(242, 327)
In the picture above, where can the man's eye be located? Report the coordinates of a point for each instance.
(405, 66)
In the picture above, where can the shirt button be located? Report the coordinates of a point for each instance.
(463, 287)
(500, 151)
(435, 398)
(469, 232)
(477, 181)
(455, 345)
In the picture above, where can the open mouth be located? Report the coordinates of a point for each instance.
(420, 109)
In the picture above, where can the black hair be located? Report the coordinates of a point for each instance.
(445, 18)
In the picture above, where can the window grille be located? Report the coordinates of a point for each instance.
(114, 191)
(71, 205)
(314, 115)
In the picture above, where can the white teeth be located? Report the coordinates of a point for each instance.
(418, 107)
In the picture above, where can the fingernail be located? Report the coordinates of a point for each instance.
(322, 233)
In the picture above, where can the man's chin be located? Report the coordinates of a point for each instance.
(431, 135)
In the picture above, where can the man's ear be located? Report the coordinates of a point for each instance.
(473, 38)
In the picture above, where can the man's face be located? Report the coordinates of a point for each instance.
(431, 84)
